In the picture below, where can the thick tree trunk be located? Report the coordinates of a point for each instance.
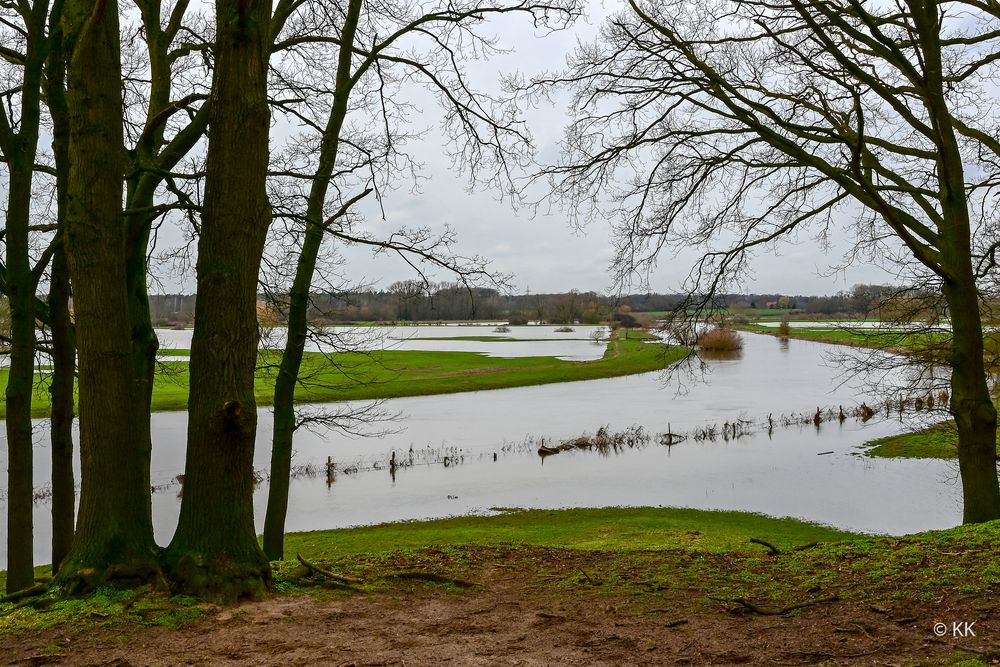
(214, 552)
(291, 358)
(971, 405)
(114, 541)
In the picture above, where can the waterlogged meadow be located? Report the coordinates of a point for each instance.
(473, 451)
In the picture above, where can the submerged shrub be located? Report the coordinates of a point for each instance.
(784, 328)
(720, 339)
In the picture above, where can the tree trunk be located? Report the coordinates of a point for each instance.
(61, 391)
(114, 541)
(144, 343)
(971, 404)
(291, 358)
(22, 284)
(214, 552)
(21, 375)
(60, 322)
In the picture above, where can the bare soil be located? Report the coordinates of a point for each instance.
(569, 608)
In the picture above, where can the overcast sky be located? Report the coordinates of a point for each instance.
(542, 251)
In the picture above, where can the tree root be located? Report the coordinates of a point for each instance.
(340, 578)
(29, 592)
(765, 611)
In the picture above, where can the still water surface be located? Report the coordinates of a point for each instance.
(784, 474)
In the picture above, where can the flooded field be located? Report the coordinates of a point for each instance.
(490, 439)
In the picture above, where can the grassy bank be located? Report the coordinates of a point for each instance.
(939, 441)
(445, 545)
(604, 529)
(396, 373)
(895, 341)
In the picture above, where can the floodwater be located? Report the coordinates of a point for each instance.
(800, 470)
(529, 341)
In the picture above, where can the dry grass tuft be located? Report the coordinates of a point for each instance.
(720, 339)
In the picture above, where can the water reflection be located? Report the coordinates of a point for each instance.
(721, 355)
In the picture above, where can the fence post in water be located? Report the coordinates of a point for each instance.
(330, 465)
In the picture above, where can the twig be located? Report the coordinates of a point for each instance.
(326, 573)
(770, 547)
(674, 623)
(430, 576)
(587, 576)
(764, 611)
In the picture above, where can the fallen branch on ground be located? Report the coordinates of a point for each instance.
(430, 576)
(344, 579)
(770, 547)
(764, 611)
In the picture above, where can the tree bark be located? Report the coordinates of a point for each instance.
(291, 358)
(971, 403)
(21, 374)
(62, 414)
(60, 322)
(22, 283)
(114, 541)
(214, 552)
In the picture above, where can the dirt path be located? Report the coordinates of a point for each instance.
(559, 614)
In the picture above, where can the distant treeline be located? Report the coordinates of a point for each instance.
(408, 301)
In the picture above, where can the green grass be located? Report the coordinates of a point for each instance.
(932, 345)
(939, 441)
(396, 373)
(105, 607)
(676, 562)
(605, 529)
(684, 558)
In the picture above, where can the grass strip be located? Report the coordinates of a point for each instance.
(396, 373)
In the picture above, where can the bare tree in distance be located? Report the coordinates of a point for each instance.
(733, 125)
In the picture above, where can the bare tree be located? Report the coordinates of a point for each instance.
(734, 124)
(374, 47)
(24, 31)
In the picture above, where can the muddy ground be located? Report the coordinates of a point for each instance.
(545, 608)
